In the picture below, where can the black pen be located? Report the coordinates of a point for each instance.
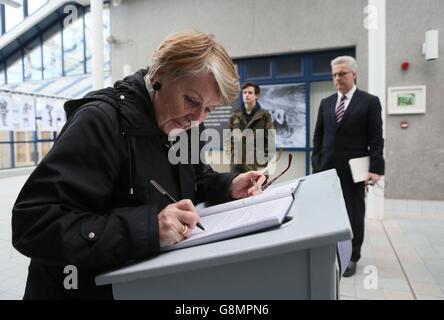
(167, 196)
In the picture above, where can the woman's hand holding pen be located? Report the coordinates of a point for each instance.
(247, 184)
(176, 222)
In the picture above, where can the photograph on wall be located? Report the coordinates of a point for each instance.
(25, 112)
(287, 106)
(46, 114)
(407, 100)
(60, 114)
(6, 114)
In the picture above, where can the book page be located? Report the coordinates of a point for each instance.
(237, 222)
(274, 192)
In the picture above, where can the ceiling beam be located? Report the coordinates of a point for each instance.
(11, 3)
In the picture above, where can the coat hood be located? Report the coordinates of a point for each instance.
(130, 98)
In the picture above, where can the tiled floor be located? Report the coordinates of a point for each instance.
(402, 256)
(13, 265)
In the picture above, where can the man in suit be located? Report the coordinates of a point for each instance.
(349, 125)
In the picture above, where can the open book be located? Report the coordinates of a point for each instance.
(241, 217)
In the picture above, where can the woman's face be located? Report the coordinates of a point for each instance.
(179, 102)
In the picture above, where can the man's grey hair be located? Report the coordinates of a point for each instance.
(348, 60)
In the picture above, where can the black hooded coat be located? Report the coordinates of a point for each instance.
(89, 203)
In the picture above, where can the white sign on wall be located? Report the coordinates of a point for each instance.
(6, 116)
(26, 112)
(46, 114)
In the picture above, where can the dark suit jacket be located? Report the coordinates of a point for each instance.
(359, 134)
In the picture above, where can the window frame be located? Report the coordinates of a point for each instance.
(41, 143)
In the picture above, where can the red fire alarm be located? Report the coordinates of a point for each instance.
(404, 124)
(405, 65)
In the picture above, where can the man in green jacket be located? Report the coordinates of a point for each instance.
(250, 116)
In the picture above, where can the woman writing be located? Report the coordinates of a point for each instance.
(89, 203)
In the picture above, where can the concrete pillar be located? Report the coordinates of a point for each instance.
(97, 44)
(376, 26)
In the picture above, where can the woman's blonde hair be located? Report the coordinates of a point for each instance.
(194, 54)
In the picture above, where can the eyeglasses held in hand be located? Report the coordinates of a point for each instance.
(272, 162)
(266, 185)
(378, 187)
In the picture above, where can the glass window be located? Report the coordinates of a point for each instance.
(14, 68)
(73, 43)
(2, 74)
(4, 136)
(52, 53)
(321, 62)
(1, 19)
(257, 69)
(5, 154)
(88, 55)
(42, 149)
(106, 33)
(13, 16)
(288, 67)
(24, 154)
(32, 60)
(34, 5)
(23, 136)
(44, 135)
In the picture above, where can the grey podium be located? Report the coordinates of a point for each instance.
(295, 261)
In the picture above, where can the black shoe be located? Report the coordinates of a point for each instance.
(351, 270)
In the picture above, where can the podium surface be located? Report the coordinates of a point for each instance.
(295, 261)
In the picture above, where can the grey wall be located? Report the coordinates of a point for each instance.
(415, 157)
(245, 28)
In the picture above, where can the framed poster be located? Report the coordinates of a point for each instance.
(406, 100)
(287, 106)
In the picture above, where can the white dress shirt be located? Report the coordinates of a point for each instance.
(349, 96)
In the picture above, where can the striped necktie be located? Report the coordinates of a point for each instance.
(341, 109)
